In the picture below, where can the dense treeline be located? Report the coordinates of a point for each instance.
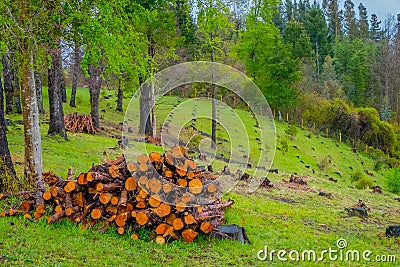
(333, 67)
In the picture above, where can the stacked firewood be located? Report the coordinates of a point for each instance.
(80, 123)
(167, 193)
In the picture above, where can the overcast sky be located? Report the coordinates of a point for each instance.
(380, 7)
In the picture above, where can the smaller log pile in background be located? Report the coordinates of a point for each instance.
(167, 193)
(80, 123)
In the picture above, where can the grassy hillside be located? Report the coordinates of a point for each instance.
(281, 218)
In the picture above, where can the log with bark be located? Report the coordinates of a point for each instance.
(167, 194)
(80, 123)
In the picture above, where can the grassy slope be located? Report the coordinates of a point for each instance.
(308, 222)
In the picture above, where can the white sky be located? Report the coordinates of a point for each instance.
(380, 7)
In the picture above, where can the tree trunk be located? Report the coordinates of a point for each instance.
(63, 87)
(39, 95)
(95, 81)
(153, 111)
(214, 117)
(17, 92)
(120, 96)
(7, 172)
(33, 144)
(8, 87)
(145, 108)
(75, 74)
(56, 125)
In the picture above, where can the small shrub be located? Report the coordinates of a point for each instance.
(364, 183)
(393, 180)
(323, 164)
(356, 176)
(291, 131)
(284, 145)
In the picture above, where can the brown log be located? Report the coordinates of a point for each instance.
(186, 197)
(123, 198)
(96, 213)
(130, 184)
(27, 216)
(142, 193)
(154, 185)
(55, 217)
(181, 170)
(57, 192)
(178, 224)
(195, 186)
(47, 195)
(189, 219)
(120, 219)
(212, 187)
(169, 231)
(89, 177)
(160, 240)
(77, 199)
(70, 186)
(156, 160)
(143, 168)
(143, 159)
(190, 175)
(58, 208)
(143, 181)
(52, 179)
(11, 212)
(161, 228)
(180, 206)
(168, 173)
(141, 205)
(154, 201)
(121, 230)
(170, 219)
(114, 200)
(113, 170)
(142, 218)
(82, 179)
(105, 198)
(112, 209)
(178, 153)
(134, 236)
(191, 164)
(163, 210)
(182, 182)
(167, 187)
(206, 227)
(189, 235)
(132, 167)
(100, 187)
(26, 205)
(71, 210)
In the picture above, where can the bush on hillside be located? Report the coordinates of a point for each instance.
(364, 183)
(393, 180)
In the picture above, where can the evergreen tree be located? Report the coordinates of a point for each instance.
(350, 24)
(363, 26)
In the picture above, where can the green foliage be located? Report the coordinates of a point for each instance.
(324, 163)
(284, 145)
(364, 183)
(393, 180)
(291, 131)
(356, 176)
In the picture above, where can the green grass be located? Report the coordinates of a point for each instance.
(308, 221)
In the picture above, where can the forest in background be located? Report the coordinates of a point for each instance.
(335, 70)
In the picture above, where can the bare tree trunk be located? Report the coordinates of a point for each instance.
(56, 125)
(8, 87)
(75, 74)
(7, 172)
(153, 111)
(17, 91)
(95, 82)
(214, 107)
(120, 96)
(63, 87)
(33, 144)
(39, 94)
(145, 108)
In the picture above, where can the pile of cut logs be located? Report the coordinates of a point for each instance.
(169, 194)
(80, 123)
